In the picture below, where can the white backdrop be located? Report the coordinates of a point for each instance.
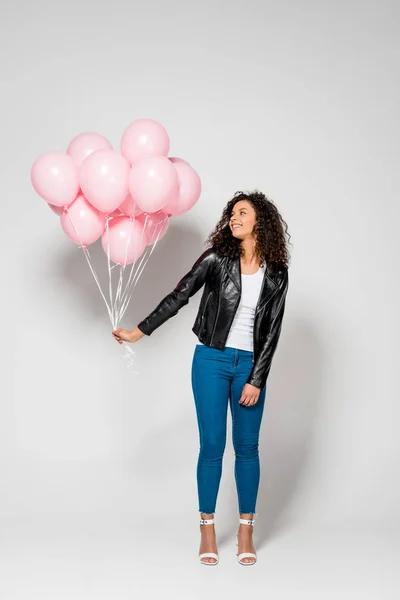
(299, 100)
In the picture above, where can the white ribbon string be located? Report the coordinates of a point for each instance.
(139, 271)
(87, 256)
(118, 304)
(122, 272)
(113, 323)
(129, 352)
(128, 283)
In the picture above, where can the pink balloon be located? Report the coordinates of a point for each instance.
(126, 239)
(189, 188)
(130, 208)
(155, 226)
(86, 143)
(82, 223)
(153, 182)
(55, 178)
(144, 137)
(103, 178)
(57, 209)
(115, 213)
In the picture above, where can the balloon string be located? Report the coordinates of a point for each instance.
(113, 323)
(126, 253)
(119, 303)
(129, 352)
(122, 272)
(140, 270)
(88, 259)
(121, 276)
(119, 287)
(152, 249)
(134, 262)
(132, 275)
(128, 283)
(129, 288)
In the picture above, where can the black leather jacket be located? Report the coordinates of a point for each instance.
(222, 290)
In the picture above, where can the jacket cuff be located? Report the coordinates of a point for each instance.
(144, 328)
(259, 379)
(260, 383)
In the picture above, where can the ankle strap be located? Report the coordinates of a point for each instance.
(206, 521)
(247, 521)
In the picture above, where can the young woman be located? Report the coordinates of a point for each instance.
(245, 276)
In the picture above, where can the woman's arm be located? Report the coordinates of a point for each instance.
(185, 289)
(262, 365)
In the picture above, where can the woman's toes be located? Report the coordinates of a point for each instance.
(209, 559)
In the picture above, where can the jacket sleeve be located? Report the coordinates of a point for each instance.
(179, 297)
(262, 365)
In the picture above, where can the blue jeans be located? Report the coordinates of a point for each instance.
(218, 377)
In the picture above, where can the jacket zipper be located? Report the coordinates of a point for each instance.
(277, 311)
(279, 307)
(256, 313)
(233, 318)
(216, 316)
(258, 309)
(204, 309)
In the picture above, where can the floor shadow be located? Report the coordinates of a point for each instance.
(292, 403)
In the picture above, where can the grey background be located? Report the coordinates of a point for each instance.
(97, 464)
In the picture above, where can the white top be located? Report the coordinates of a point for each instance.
(241, 332)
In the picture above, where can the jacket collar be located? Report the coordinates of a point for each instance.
(268, 286)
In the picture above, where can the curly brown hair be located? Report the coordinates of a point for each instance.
(270, 231)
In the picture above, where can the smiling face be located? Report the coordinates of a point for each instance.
(242, 221)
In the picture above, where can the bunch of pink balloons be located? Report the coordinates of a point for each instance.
(124, 198)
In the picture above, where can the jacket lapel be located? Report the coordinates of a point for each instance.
(267, 290)
(268, 286)
(233, 269)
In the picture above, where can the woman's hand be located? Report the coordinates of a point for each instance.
(124, 335)
(250, 395)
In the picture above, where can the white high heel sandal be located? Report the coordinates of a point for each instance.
(208, 554)
(245, 554)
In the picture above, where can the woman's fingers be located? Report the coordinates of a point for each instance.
(244, 400)
(116, 335)
(250, 395)
(248, 400)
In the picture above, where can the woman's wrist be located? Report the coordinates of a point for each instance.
(137, 334)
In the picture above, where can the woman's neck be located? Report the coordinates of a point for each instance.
(249, 257)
